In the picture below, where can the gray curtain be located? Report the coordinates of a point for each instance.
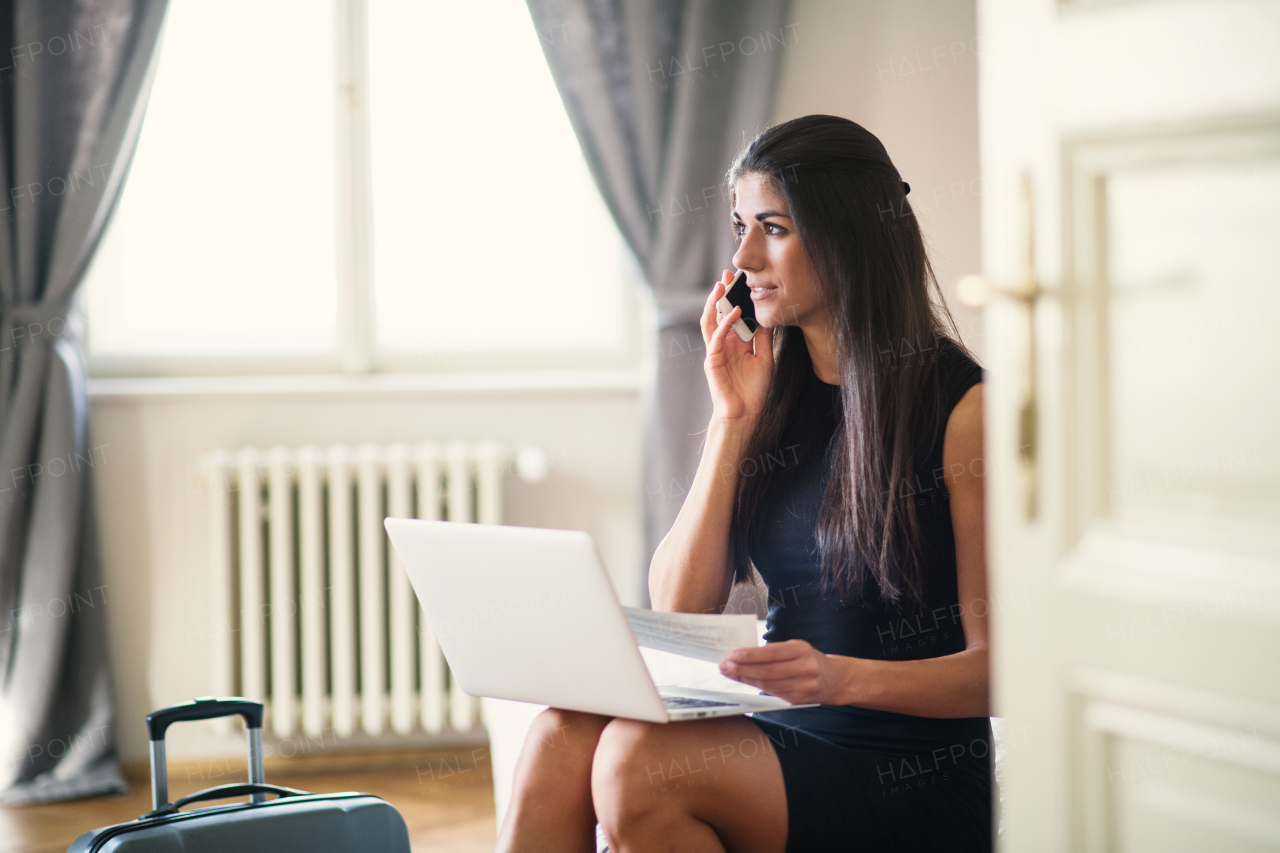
(71, 105)
(662, 94)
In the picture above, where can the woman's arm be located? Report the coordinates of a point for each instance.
(691, 570)
(949, 686)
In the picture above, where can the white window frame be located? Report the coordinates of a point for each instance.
(357, 350)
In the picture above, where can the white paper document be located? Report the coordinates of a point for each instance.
(706, 636)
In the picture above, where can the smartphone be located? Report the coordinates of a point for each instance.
(738, 295)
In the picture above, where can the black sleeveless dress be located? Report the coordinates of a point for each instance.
(860, 779)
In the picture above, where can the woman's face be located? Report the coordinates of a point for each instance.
(783, 286)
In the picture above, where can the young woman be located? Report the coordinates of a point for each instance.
(844, 462)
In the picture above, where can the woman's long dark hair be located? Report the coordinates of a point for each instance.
(849, 208)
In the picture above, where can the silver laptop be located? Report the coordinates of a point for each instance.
(529, 614)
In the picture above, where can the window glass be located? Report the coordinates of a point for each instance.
(488, 230)
(224, 239)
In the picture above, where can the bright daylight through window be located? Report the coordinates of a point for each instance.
(487, 232)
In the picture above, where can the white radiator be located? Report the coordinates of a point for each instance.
(324, 627)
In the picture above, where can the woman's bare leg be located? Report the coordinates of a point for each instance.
(550, 807)
(703, 785)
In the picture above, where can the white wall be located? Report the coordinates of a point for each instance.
(153, 513)
(906, 70)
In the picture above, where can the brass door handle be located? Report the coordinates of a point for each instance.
(975, 290)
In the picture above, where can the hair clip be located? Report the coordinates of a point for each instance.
(906, 188)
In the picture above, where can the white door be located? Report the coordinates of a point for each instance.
(1135, 483)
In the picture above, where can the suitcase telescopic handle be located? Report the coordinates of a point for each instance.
(204, 708)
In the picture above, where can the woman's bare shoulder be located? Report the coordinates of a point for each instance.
(962, 443)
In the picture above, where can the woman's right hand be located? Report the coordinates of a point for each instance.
(737, 372)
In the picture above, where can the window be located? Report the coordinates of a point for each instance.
(223, 239)
(487, 242)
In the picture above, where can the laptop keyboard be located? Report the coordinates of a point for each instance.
(686, 702)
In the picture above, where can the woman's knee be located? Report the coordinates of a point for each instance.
(566, 731)
(622, 770)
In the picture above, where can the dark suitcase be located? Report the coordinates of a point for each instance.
(295, 820)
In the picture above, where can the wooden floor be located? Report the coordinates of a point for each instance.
(446, 798)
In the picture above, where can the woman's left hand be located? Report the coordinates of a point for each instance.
(792, 670)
